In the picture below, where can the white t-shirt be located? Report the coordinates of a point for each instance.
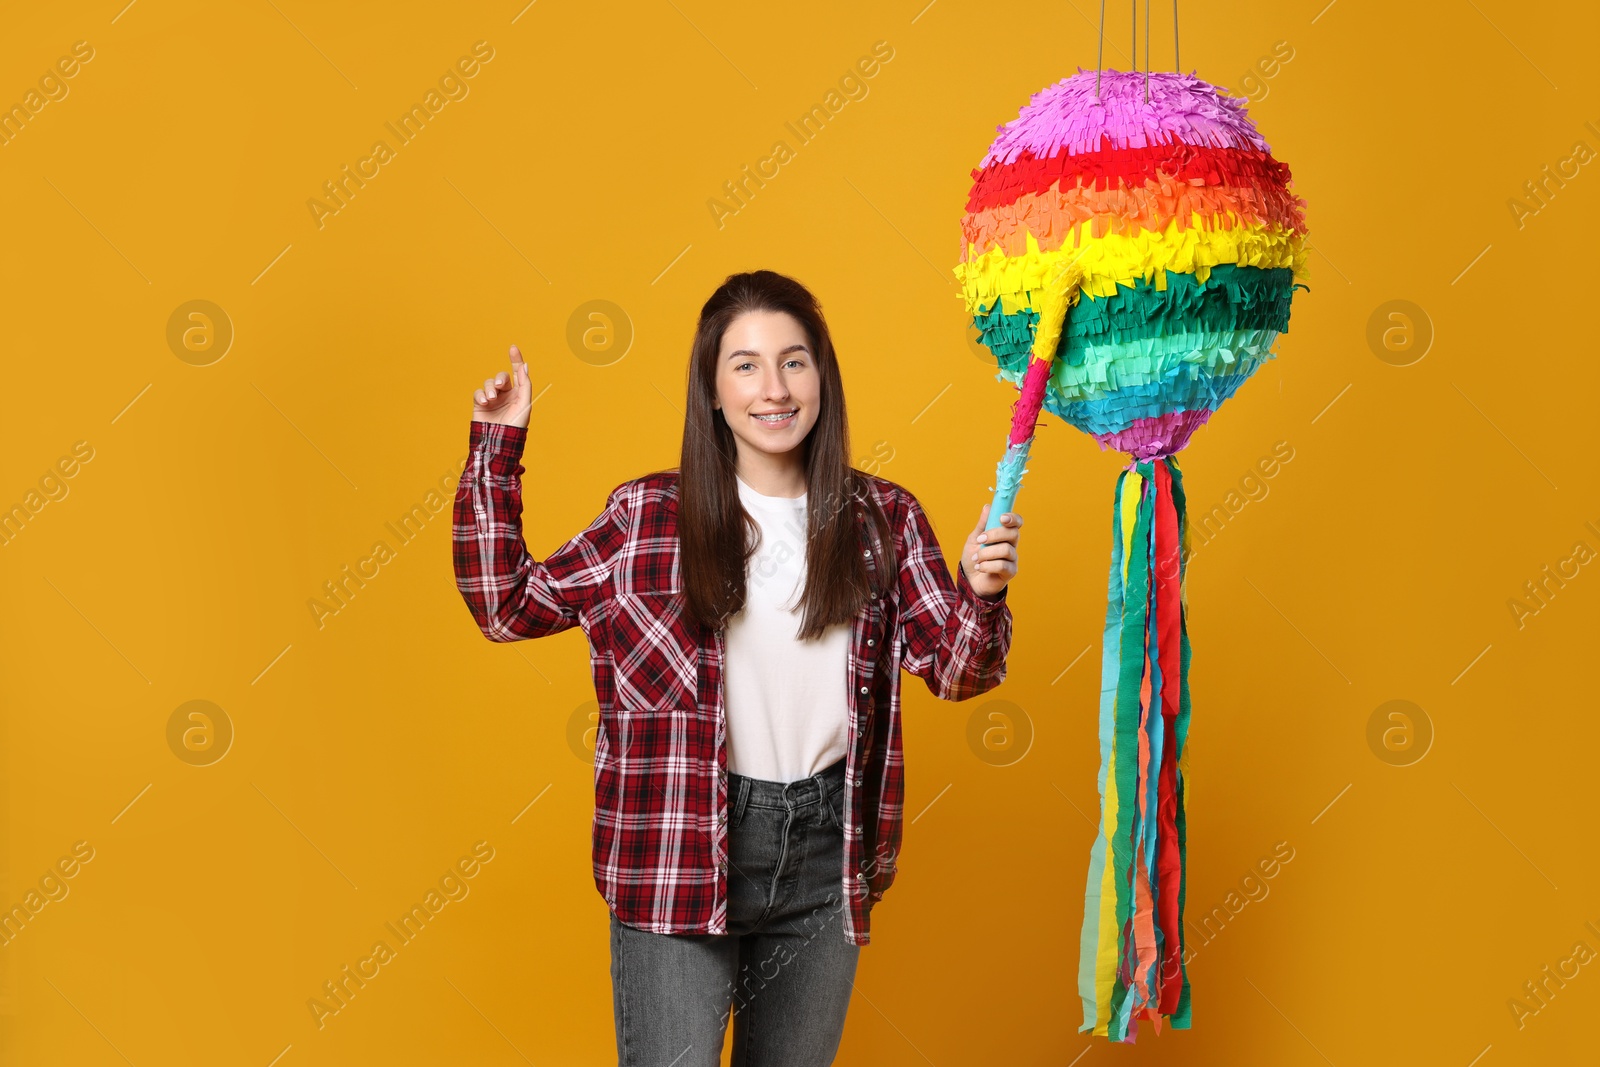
(787, 700)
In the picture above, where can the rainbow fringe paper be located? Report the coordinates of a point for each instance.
(1132, 951)
(1170, 233)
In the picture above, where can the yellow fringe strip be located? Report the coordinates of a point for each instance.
(1122, 259)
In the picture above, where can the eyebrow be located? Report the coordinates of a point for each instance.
(785, 352)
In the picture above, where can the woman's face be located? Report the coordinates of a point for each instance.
(766, 366)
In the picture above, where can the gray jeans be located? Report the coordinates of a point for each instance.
(784, 970)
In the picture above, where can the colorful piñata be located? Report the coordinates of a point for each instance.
(1129, 254)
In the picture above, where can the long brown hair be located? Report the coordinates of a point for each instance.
(716, 536)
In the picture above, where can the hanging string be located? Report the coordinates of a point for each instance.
(1100, 47)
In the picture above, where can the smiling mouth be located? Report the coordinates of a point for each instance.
(777, 418)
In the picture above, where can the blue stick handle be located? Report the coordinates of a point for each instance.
(1008, 480)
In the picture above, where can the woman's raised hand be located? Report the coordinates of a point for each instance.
(505, 399)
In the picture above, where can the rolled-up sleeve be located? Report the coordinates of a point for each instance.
(511, 595)
(953, 639)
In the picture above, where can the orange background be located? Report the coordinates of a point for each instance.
(372, 751)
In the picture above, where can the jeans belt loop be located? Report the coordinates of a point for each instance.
(738, 801)
(825, 800)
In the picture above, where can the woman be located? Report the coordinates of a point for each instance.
(749, 613)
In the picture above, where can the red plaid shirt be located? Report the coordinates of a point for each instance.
(660, 771)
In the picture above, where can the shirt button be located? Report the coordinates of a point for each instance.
(870, 642)
(860, 877)
(867, 554)
(863, 690)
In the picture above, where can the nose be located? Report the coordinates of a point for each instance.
(776, 390)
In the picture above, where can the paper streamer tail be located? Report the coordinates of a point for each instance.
(1060, 293)
(1131, 963)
